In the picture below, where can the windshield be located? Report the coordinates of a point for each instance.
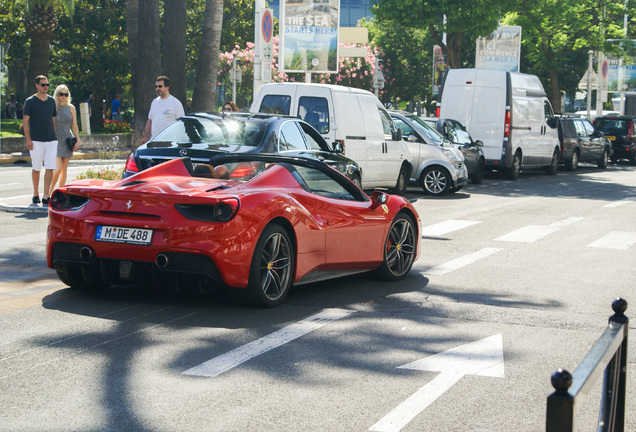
(425, 129)
(196, 130)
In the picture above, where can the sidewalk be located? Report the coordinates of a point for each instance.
(25, 158)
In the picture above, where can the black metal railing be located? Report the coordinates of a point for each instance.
(608, 356)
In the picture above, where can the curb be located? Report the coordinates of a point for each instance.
(33, 209)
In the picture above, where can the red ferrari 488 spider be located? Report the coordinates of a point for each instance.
(255, 224)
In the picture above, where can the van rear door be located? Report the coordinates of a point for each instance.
(477, 99)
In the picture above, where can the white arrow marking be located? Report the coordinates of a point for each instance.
(483, 357)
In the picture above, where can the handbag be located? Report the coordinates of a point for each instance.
(70, 142)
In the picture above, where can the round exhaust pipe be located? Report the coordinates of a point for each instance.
(162, 261)
(86, 254)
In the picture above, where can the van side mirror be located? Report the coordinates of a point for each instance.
(479, 143)
(397, 135)
(337, 147)
(552, 122)
(411, 138)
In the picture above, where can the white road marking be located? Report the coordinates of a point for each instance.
(528, 234)
(231, 359)
(446, 227)
(615, 240)
(566, 222)
(618, 203)
(483, 357)
(461, 262)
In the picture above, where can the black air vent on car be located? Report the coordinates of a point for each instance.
(133, 183)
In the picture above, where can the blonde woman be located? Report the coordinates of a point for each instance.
(65, 127)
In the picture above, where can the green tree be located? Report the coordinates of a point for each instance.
(455, 18)
(558, 35)
(40, 21)
(174, 46)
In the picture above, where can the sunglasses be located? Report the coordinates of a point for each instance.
(63, 94)
(158, 86)
(45, 85)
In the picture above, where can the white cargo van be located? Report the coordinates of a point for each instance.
(350, 117)
(509, 112)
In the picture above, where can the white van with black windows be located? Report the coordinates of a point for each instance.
(354, 120)
(509, 112)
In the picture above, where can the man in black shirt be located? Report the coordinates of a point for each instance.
(38, 122)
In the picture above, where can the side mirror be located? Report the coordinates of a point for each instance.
(397, 135)
(552, 122)
(479, 143)
(411, 138)
(379, 198)
(337, 147)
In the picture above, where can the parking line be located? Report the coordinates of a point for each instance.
(461, 262)
(231, 359)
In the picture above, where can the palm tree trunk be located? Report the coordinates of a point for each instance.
(204, 96)
(174, 46)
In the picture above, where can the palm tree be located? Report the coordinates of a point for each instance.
(204, 94)
(40, 21)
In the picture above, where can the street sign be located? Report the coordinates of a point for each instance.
(593, 80)
(483, 357)
(267, 26)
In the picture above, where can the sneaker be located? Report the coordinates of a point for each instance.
(36, 200)
(45, 201)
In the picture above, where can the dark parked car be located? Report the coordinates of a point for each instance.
(456, 133)
(581, 142)
(619, 129)
(201, 136)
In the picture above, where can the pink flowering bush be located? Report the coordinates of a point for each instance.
(353, 72)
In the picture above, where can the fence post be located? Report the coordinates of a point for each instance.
(560, 410)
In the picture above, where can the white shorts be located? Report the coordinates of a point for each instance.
(43, 152)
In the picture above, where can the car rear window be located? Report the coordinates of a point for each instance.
(606, 124)
(203, 130)
(275, 104)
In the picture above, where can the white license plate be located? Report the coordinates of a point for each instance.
(128, 235)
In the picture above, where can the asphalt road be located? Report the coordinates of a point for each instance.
(515, 280)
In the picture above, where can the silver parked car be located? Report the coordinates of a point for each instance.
(438, 166)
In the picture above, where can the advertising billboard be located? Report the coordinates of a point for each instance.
(501, 50)
(309, 35)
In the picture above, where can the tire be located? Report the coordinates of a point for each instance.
(271, 271)
(478, 176)
(614, 159)
(355, 179)
(402, 181)
(573, 163)
(602, 162)
(513, 172)
(436, 181)
(456, 189)
(553, 168)
(399, 249)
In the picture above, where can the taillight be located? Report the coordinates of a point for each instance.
(226, 209)
(507, 124)
(62, 201)
(437, 112)
(630, 130)
(131, 164)
(244, 170)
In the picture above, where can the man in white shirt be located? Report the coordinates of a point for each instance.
(163, 110)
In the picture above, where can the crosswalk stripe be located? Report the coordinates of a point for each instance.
(615, 240)
(461, 262)
(445, 227)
